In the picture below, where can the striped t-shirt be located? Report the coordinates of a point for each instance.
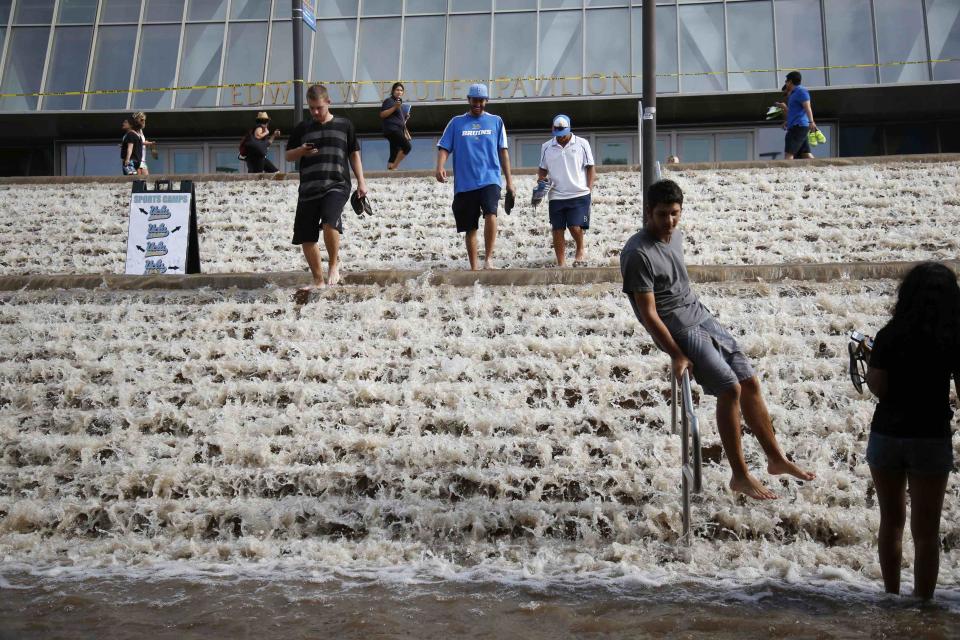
(328, 170)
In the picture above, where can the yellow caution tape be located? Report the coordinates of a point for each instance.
(595, 76)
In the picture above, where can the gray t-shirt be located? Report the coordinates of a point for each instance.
(647, 264)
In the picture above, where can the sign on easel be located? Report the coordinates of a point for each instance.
(162, 231)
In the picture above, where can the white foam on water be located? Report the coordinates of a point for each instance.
(881, 212)
(415, 434)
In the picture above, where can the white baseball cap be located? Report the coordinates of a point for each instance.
(561, 126)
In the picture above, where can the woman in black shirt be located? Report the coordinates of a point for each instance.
(394, 120)
(257, 145)
(131, 148)
(911, 362)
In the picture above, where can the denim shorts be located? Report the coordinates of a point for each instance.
(718, 362)
(910, 455)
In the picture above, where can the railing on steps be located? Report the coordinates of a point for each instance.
(682, 416)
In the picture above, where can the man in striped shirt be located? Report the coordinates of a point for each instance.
(327, 148)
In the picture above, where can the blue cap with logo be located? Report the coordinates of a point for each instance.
(478, 90)
(561, 126)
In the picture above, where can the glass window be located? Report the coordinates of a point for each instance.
(381, 7)
(68, 66)
(186, 161)
(943, 24)
(615, 150)
(378, 58)
(24, 67)
(608, 52)
(901, 39)
(861, 141)
(561, 4)
(336, 8)
(280, 67)
(695, 147)
(34, 12)
(663, 148)
(225, 160)
(469, 5)
(850, 41)
(74, 11)
(333, 56)
(250, 9)
(246, 56)
(468, 54)
(112, 64)
(750, 37)
(515, 4)
(734, 146)
(950, 137)
(905, 139)
(514, 54)
(164, 11)
(157, 65)
(207, 10)
(667, 64)
(92, 159)
(800, 39)
(770, 142)
(120, 11)
(426, 6)
(5, 11)
(202, 48)
(530, 153)
(560, 53)
(423, 45)
(701, 48)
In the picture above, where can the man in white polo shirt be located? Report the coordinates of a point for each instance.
(568, 161)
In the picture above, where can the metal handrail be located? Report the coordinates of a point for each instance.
(691, 461)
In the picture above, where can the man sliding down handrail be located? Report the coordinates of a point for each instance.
(690, 467)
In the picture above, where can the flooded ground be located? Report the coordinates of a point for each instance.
(107, 608)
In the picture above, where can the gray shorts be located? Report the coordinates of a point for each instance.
(910, 455)
(718, 362)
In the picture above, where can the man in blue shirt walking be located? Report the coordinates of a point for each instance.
(799, 118)
(478, 142)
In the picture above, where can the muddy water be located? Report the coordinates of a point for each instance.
(107, 608)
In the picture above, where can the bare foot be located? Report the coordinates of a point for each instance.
(580, 258)
(786, 467)
(752, 488)
(333, 276)
(391, 166)
(488, 264)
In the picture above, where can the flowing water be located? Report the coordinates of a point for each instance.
(427, 461)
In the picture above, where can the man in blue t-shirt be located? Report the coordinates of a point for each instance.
(799, 118)
(478, 142)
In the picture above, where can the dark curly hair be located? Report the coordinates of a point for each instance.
(928, 307)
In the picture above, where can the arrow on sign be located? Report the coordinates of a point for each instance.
(144, 211)
(141, 249)
(175, 229)
(173, 268)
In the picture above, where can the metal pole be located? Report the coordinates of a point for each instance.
(649, 143)
(297, 21)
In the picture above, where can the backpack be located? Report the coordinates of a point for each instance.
(242, 155)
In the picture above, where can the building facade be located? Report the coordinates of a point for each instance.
(884, 74)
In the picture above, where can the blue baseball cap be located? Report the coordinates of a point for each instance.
(478, 90)
(561, 126)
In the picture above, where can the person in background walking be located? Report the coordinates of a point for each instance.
(477, 140)
(257, 145)
(568, 161)
(139, 124)
(799, 118)
(910, 366)
(131, 148)
(394, 115)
